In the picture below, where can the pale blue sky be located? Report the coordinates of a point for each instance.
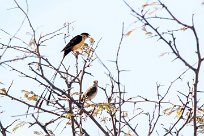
(139, 54)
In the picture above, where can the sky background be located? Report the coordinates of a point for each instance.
(103, 19)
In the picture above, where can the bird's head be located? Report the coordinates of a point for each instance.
(95, 82)
(85, 35)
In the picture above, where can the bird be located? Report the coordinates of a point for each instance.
(75, 43)
(90, 92)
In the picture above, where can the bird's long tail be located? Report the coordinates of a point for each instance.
(66, 51)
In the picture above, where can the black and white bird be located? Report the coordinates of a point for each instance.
(90, 92)
(75, 43)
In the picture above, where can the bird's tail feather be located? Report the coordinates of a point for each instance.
(66, 48)
(67, 51)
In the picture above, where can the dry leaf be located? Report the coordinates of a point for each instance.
(124, 114)
(150, 4)
(148, 33)
(69, 115)
(32, 98)
(129, 133)
(91, 40)
(183, 28)
(3, 91)
(199, 119)
(201, 109)
(187, 114)
(130, 32)
(88, 105)
(30, 95)
(179, 112)
(31, 42)
(19, 125)
(168, 111)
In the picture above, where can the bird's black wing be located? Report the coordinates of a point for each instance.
(91, 92)
(74, 41)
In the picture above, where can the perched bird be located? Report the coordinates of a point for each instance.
(90, 92)
(75, 43)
